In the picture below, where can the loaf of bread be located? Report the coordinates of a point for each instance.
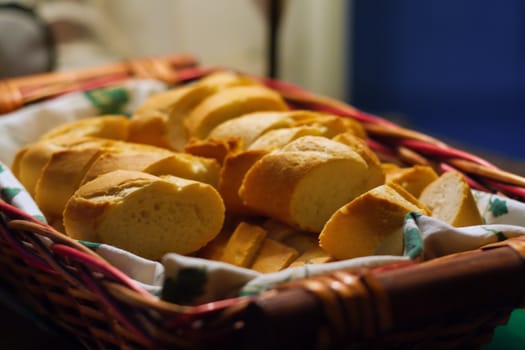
(371, 224)
(145, 214)
(450, 199)
(304, 182)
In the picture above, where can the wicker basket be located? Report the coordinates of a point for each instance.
(427, 305)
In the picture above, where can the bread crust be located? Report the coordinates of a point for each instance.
(284, 183)
(145, 214)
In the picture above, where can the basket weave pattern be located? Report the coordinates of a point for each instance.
(415, 306)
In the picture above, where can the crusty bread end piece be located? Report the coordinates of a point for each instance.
(370, 224)
(450, 199)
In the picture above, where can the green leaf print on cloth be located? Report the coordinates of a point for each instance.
(110, 100)
(497, 206)
(8, 193)
(188, 284)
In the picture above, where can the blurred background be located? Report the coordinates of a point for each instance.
(453, 69)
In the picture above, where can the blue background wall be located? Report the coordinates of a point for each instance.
(452, 68)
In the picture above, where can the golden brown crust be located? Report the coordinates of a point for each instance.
(113, 127)
(371, 222)
(232, 174)
(230, 103)
(450, 199)
(298, 174)
(145, 214)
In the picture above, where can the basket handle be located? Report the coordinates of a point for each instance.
(18, 92)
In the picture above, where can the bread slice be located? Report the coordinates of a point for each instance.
(233, 170)
(214, 249)
(217, 149)
(450, 199)
(226, 78)
(230, 103)
(159, 120)
(280, 137)
(375, 169)
(333, 124)
(113, 127)
(304, 187)
(31, 159)
(273, 256)
(250, 126)
(414, 179)
(315, 255)
(145, 214)
(61, 177)
(182, 165)
(371, 224)
(243, 244)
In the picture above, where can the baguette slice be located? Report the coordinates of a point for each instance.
(302, 185)
(113, 127)
(217, 149)
(145, 214)
(230, 103)
(250, 126)
(31, 160)
(244, 244)
(450, 199)
(61, 177)
(314, 255)
(67, 167)
(159, 120)
(371, 224)
(182, 165)
(333, 124)
(376, 173)
(280, 137)
(414, 179)
(273, 256)
(233, 170)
